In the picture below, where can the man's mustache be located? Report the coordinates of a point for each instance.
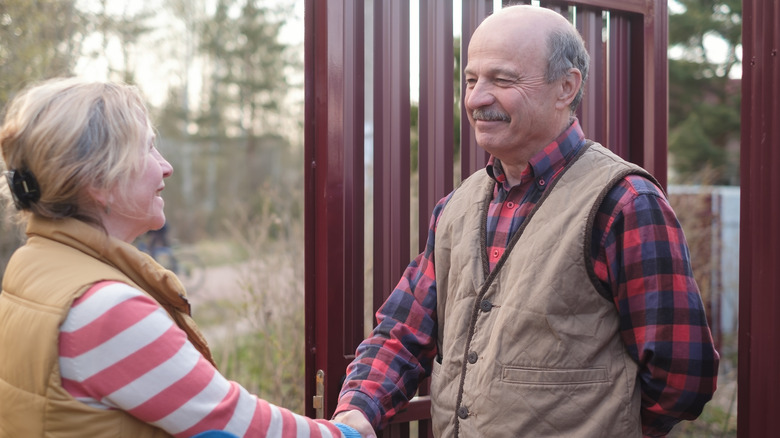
(490, 115)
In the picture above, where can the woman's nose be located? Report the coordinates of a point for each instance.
(167, 168)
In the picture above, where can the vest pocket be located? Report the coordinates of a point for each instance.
(553, 376)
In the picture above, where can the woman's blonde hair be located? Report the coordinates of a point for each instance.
(71, 134)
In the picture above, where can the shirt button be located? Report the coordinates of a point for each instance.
(486, 306)
(495, 253)
(463, 412)
(510, 205)
(541, 181)
(473, 357)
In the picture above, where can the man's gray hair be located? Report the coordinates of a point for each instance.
(567, 50)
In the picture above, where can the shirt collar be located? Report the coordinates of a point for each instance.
(546, 164)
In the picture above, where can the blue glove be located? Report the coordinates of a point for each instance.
(347, 432)
(215, 434)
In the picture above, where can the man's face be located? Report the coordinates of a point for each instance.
(509, 103)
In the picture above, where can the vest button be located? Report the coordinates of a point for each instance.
(473, 356)
(486, 306)
(463, 412)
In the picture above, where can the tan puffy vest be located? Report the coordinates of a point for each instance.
(531, 349)
(57, 265)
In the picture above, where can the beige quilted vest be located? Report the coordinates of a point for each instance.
(531, 349)
(57, 265)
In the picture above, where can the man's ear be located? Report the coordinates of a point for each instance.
(570, 86)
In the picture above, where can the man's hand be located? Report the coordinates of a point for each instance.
(357, 421)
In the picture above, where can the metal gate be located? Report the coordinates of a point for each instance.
(625, 108)
(759, 252)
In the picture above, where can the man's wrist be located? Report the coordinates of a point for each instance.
(356, 400)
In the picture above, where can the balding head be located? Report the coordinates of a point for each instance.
(541, 32)
(523, 15)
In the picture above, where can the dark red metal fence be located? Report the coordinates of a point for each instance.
(625, 108)
(759, 255)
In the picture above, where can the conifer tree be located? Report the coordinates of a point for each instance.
(704, 97)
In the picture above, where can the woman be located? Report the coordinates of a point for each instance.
(96, 337)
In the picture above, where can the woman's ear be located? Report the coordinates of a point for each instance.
(570, 86)
(100, 196)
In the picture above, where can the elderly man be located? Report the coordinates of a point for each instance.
(555, 295)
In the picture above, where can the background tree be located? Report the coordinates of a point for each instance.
(227, 104)
(704, 99)
(175, 115)
(38, 40)
(247, 82)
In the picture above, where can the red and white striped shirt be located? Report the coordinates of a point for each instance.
(119, 349)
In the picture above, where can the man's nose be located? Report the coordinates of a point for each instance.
(479, 96)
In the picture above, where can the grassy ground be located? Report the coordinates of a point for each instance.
(251, 311)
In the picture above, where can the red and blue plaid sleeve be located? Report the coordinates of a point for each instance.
(399, 354)
(641, 255)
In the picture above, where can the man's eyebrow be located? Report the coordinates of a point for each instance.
(496, 71)
(500, 71)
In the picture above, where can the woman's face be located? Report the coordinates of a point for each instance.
(137, 207)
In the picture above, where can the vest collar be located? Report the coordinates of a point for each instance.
(160, 283)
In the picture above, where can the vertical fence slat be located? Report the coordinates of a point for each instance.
(642, 130)
(759, 276)
(505, 3)
(472, 157)
(391, 144)
(649, 78)
(593, 111)
(436, 122)
(333, 197)
(391, 154)
(560, 7)
(436, 126)
(618, 91)
(658, 123)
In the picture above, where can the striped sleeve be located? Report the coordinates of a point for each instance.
(120, 350)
